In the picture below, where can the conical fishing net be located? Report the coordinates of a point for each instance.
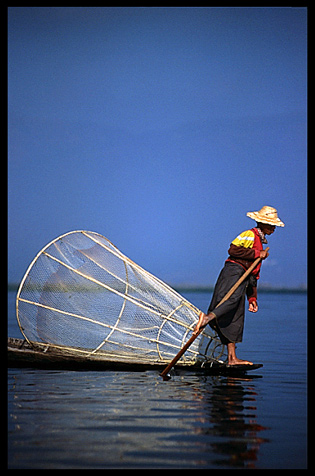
(82, 294)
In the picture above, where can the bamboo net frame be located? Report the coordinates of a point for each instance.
(81, 294)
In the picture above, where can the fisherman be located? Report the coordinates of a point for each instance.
(228, 319)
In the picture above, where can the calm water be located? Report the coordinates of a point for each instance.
(110, 419)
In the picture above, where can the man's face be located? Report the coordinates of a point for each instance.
(268, 229)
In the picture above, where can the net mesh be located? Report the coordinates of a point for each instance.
(81, 293)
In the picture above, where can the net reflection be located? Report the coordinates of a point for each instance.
(132, 420)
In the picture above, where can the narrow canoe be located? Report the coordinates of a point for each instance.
(23, 354)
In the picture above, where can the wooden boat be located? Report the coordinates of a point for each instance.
(23, 354)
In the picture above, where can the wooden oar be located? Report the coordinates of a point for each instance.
(165, 372)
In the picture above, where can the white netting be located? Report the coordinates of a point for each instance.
(81, 292)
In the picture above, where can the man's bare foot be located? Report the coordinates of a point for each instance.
(204, 319)
(240, 362)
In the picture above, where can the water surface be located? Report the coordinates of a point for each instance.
(109, 419)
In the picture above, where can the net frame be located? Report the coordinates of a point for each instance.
(160, 347)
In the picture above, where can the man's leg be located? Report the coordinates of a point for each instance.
(204, 319)
(233, 360)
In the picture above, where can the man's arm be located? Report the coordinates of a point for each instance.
(249, 254)
(251, 293)
(239, 252)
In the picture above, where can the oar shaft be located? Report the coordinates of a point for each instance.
(194, 336)
(178, 356)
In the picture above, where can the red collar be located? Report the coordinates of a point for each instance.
(261, 235)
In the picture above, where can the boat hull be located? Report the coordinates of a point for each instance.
(23, 354)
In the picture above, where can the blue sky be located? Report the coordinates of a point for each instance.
(158, 128)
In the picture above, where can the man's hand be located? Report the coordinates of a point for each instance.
(264, 254)
(253, 306)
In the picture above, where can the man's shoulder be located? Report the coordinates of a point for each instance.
(246, 239)
(248, 232)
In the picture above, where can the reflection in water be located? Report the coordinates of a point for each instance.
(66, 420)
(230, 407)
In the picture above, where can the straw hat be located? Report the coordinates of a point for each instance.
(266, 215)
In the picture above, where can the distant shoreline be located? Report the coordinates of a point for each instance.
(209, 289)
(261, 290)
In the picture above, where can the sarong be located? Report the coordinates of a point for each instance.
(229, 322)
